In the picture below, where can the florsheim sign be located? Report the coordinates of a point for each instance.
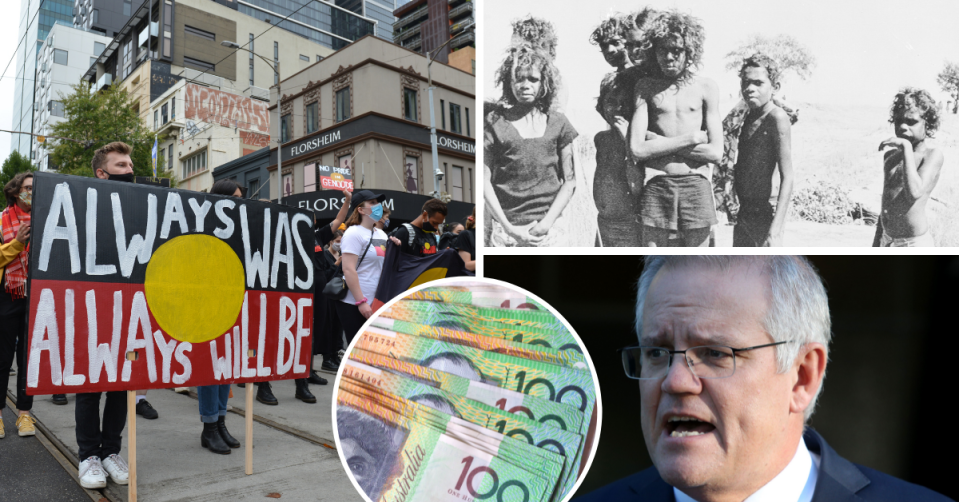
(373, 124)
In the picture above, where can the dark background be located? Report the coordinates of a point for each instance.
(892, 363)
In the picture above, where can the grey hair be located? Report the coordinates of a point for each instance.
(798, 308)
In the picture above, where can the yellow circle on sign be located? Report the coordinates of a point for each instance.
(194, 286)
(431, 274)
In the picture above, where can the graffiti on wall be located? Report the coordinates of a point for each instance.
(254, 139)
(226, 109)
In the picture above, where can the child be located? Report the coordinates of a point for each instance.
(764, 143)
(676, 105)
(910, 171)
(529, 177)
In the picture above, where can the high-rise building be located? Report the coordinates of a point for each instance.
(37, 17)
(379, 10)
(425, 25)
(105, 17)
(322, 21)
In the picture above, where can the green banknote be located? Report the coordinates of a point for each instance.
(569, 357)
(479, 295)
(557, 383)
(395, 459)
(542, 410)
(565, 443)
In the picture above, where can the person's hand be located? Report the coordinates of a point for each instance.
(23, 235)
(366, 310)
(396, 241)
(894, 142)
(650, 135)
(774, 239)
(539, 230)
(621, 125)
(348, 195)
(338, 260)
(700, 137)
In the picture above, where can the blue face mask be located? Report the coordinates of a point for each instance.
(386, 223)
(377, 212)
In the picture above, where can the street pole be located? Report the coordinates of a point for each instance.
(279, 143)
(436, 160)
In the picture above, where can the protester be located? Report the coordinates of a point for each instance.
(96, 442)
(363, 250)
(14, 253)
(452, 231)
(418, 237)
(465, 243)
(327, 330)
(384, 222)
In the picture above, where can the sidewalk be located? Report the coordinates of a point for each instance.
(289, 457)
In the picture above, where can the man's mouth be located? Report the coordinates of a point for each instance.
(685, 426)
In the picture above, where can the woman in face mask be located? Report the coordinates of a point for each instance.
(363, 249)
(384, 222)
(327, 327)
(14, 253)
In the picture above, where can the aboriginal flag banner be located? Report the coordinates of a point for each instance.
(403, 271)
(142, 287)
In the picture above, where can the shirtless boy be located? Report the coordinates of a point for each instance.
(764, 143)
(677, 106)
(911, 169)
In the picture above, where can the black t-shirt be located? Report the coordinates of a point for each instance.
(424, 243)
(466, 241)
(324, 234)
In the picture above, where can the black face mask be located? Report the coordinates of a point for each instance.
(428, 227)
(126, 178)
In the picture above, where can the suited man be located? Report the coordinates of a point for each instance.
(731, 359)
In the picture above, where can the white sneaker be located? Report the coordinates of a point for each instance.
(117, 468)
(92, 474)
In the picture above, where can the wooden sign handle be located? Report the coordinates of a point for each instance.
(249, 427)
(132, 444)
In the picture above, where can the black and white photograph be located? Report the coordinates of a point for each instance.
(697, 123)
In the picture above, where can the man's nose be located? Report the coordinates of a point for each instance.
(679, 378)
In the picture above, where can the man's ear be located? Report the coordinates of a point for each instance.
(809, 368)
(776, 87)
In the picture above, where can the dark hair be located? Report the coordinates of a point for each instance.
(434, 206)
(100, 156)
(225, 187)
(13, 187)
(471, 221)
(526, 57)
(662, 27)
(920, 99)
(456, 224)
(536, 32)
(760, 60)
(611, 28)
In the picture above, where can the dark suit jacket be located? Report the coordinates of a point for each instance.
(839, 480)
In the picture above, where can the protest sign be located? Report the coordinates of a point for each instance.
(336, 178)
(138, 287)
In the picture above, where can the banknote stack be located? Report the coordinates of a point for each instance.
(445, 399)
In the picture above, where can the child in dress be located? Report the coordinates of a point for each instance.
(528, 173)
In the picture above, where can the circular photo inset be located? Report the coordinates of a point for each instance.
(466, 389)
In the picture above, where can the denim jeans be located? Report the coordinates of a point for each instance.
(213, 400)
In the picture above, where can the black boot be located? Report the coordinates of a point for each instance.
(211, 440)
(225, 434)
(264, 394)
(303, 391)
(316, 379)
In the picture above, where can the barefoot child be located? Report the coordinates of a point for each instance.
(911, 169)
(764, 143)
(529, 177)
(682, 110)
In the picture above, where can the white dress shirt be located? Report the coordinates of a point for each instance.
(796, 482)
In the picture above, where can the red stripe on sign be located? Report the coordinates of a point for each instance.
(80, 334)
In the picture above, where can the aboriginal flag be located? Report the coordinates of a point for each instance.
(403, 271)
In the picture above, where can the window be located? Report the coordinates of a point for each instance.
(443, 113)
(319, 58)
(156, 119)
(455, 125)
(343, 104)
(411, 173)
(55, 108)
(96, 15)
(60, 56)
(198, 32)
(98, 48)
(468, 122)
(251, 59)
(312, 117)
(409, 102)
(456, 179)
(253, 186)
(194, 164)
(196, 63)
(173, 109)
(169, 158)
(285, 128)
(304, 58)
(164, 116)
(276, 63)
(127, 6)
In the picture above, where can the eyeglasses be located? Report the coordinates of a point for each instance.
(707, 361)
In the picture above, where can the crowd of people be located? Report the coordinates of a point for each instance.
(352, 246)
(668, 161)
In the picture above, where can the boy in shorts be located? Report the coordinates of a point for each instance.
(681, 109)
(911, 168)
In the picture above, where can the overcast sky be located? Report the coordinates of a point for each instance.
(865, 50)
(8, 42)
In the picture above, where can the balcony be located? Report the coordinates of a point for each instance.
(410, 18)
(464, 39)
(414, 44)
(462, 26)
(406, 35)
(460, 10)
(105, 81)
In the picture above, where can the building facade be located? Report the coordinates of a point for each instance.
(105, 17)
(425, 25)
(205, 102)
(66, 55)
(357, 116)
(37, 18)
